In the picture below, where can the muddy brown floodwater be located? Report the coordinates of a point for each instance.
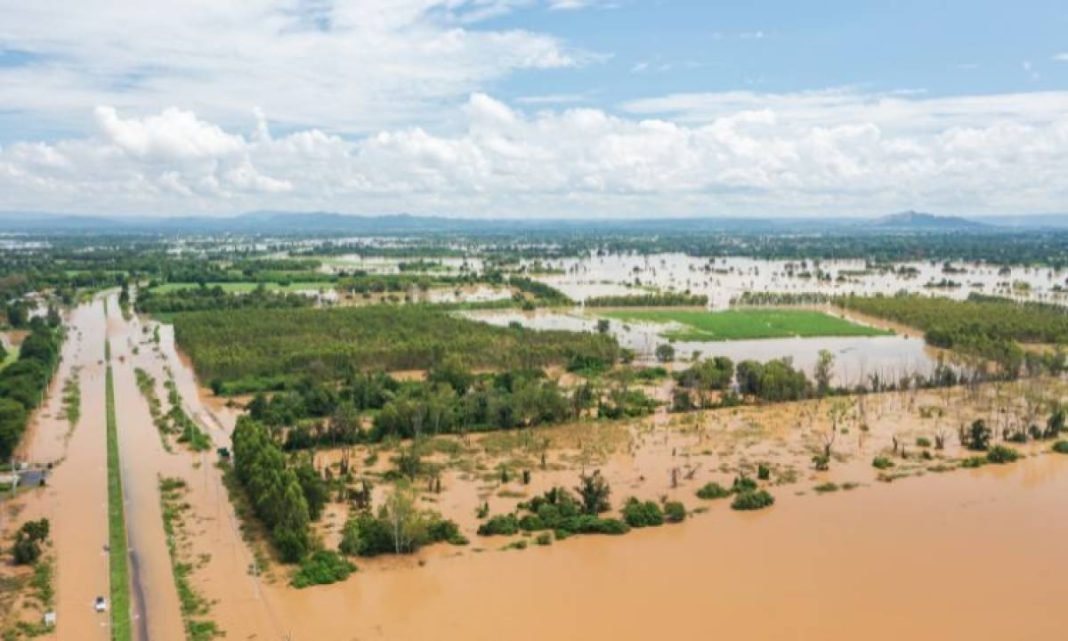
(974, 554)
(971, 555)
(76, 497)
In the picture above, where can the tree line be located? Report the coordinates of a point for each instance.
(661, 299)
(24, 382)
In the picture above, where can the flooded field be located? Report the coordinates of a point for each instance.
(856, 358)
(839, 564)
(975, 555)
(724, 279)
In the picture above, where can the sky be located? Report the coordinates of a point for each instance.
(534, 108)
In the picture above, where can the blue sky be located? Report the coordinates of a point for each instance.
(534, 107)
(941, 47)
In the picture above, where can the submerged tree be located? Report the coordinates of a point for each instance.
(593, 490)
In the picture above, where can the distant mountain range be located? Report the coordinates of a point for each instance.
(326, 223)
(918, 220)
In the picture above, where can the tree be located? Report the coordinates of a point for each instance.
(603, 325)
(665, 353)
(593, 490)
(315, 491)
(1055, 424)
(452, 372)
(824, 372)
(978, 436)
(12, 422)
(407, 525)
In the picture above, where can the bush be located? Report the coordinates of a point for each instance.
(882, 463)
(823, 488)
(590, 524)
(447, 531)
(763, 472)
(26, 551)
(639, 514)
(544, 538)
(502, 524)
(752, 500)
(1001, 454)
(973, 462)
(923, 441)
(674, 512)
(1061, 447)
(743, 484)
(28, 540)
(710, 491)
(321, 568)
(365, 535)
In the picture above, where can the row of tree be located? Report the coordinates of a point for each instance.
(23, 383)
(660, 299)
(285, 497)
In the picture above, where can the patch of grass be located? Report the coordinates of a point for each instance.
(186, 428)
(193, 606)
(741, 324)
(118, 555)
(72, 398)
(882, 463)
(824, 488)
(999, 454)
(147, 384)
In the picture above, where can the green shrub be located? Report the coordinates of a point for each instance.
(445, 530)
(882, 463)
(639, 514)
(1061, 447)
(710, 491)
(973, 462)
(1001, 454)
(590, 524)
(743, 484)
(923, 441)
(544, 538)
(321, 568)
(752, 500)
(674, 512)
(502, 524)
(763, 472)
(823, 488)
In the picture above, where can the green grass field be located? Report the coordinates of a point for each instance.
(118, 555)
(742, 324)
(244, 288)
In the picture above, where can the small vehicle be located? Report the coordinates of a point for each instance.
(101, 604)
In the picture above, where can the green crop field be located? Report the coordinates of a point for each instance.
(244, 288)
(741, 324)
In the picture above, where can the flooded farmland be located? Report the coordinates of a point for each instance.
(724, 279)
(856, 358)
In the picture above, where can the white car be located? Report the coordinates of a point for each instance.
(101, 604)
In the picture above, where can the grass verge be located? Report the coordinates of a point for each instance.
(118, 559)
(194, 606)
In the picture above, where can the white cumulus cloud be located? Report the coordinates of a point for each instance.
(834, 152)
